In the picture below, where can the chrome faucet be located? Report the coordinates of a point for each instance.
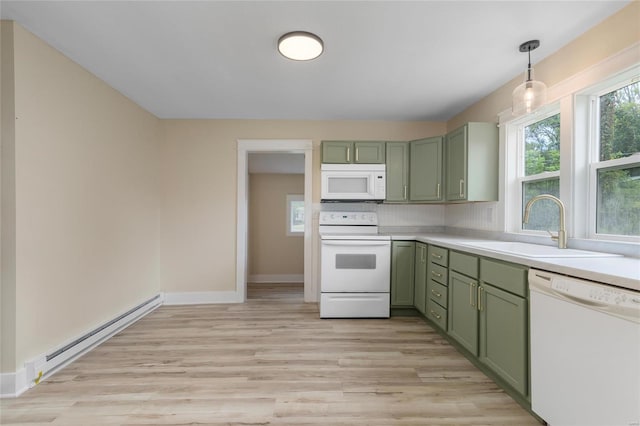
(562, 232)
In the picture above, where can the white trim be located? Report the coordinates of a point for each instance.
(12, 385)
(245, 146)
(38, 369)
(274, 278)
(201, 297)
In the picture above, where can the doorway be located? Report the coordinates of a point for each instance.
(245, 148)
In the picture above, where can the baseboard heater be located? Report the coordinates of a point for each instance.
(45, 365)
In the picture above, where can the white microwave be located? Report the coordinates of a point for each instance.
(357, 182)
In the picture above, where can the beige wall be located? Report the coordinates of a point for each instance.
(199, 160)
(614, 34)
(271, 250)
(87, 200)
(8, 202)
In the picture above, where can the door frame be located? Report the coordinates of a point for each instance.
(293, 146)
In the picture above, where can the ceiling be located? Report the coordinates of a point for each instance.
(383, 60)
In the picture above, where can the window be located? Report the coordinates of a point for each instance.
(615, 173)
(295, 215)
(595, 171)
(539, 170)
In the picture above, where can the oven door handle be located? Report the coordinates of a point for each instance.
(355, 243)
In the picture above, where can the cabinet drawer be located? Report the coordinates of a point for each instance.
(437, 273)
(437, 314)
(464, 263)
(438, 255)
(506, 276)
(438, 293)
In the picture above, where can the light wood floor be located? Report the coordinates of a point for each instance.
(270, 361)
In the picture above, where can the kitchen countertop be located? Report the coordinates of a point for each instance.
(620, 271)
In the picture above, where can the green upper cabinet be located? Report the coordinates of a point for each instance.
(362, 152)
(402, 270)
(397, 171)
(420, 279)
(414, 170)
(471, 163)
(425, 170)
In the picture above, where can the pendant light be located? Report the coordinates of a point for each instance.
(531, 94)
(300, 46)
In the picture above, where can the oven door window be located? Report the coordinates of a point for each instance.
(355, 261)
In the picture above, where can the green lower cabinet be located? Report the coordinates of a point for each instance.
(420, 279)
(437, 314)
(462, 311)
(402, 273)
(503, 335)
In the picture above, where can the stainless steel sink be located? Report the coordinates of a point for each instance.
(533, 250)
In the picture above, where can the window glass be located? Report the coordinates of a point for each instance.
(620, 122)
(295, 214)
(542, 146)
(544, 214)
(618, 201)
(541, 171)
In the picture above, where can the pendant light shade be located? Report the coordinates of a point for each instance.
(531, 94)
(300, 46)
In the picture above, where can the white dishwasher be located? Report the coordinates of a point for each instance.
(585, 351)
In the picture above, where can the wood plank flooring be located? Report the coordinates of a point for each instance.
(270, 361)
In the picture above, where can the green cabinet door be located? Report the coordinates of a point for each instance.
(337, 152)
(402, 271)
(397, 171)
(456, 164)
(345, 152)
(420, 281)
(369, 152)
(471, 163)
(462, 312)
(425, 176)
(503, 335)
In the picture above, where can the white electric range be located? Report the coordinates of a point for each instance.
(355, 266)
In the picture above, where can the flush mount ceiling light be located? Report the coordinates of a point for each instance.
(531, 94)
(300, 46)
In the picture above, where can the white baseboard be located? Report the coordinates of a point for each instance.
(13, 384)
(202, 297)
(44, 365)
(276, 278)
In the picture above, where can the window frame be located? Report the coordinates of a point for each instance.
(594, 163)
(515, 131)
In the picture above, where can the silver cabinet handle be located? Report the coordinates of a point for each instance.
(435, 315)
(438, 191)
(436, 274)
(435, 293)
(480, 290)
(405, 192)
(461, 188)
(348, 155)
(472, 292)
(437, 256)
(357, 155)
